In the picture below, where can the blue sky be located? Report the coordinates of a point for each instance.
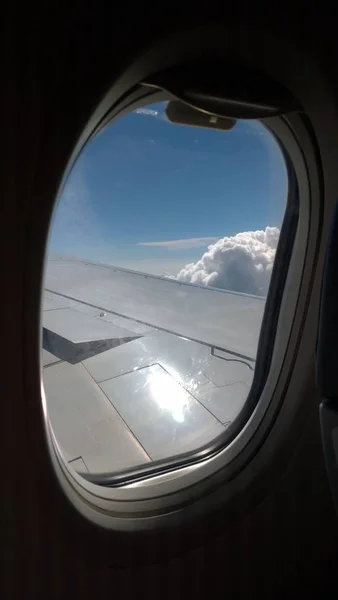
(146, 181)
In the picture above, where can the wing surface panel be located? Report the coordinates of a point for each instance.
(222, 319)
(139, 391)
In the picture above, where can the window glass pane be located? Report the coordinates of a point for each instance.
(159, 262)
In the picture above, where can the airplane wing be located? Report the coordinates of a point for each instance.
(138, 368)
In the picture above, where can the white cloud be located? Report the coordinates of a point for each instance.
(182, 244)
(147, 111)
(240, 263)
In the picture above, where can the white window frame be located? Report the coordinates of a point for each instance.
(137, 504)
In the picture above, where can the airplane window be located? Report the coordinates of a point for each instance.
(158, 267)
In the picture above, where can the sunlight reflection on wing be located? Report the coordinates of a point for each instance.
(168, 394)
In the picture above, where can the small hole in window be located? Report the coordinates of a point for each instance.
(158, 267)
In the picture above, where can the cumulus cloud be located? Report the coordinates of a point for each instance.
(241, 263)
(182, 244)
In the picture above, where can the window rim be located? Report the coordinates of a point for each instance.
(138, 497)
